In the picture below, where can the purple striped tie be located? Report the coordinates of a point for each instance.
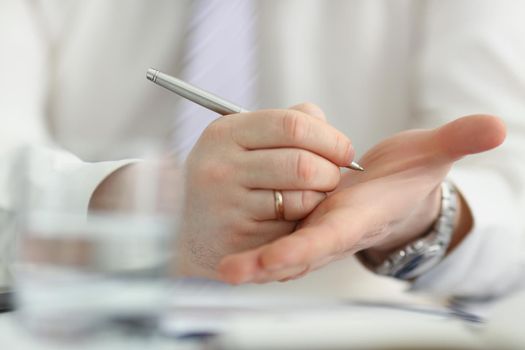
(219, 57)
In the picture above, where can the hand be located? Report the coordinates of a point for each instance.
(391, 203)
(231, 174)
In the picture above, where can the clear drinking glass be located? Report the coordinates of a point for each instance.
(79, 272)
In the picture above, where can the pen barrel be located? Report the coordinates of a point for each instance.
(193, 93)
(204, 98)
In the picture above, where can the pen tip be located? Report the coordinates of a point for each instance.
(151, 74)
(355, 166)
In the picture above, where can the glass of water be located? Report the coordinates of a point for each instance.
(79, 272)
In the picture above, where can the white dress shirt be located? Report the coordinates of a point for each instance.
(76, 71)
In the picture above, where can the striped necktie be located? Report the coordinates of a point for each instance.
(220, 58)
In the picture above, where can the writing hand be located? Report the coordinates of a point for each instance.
(231, 174)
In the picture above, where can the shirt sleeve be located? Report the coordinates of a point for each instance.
(47, 176)
(470, 61)
(42, 178)
(24, 137)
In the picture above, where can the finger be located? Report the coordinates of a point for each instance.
(241, 267)
(291, 128)
(244, 267)
(288, 169)
(309, 245)
(281, 275)
(310, 109)
(260, 233)
(297, 276)
(297, 204)
(282, 255)
(470, 135)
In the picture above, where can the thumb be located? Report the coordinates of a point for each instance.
(470, 135)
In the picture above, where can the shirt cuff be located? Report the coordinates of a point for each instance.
(83, 179)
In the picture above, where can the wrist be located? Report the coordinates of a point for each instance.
(422, 254)
(415, 226)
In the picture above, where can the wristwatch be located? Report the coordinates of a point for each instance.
(426, 252)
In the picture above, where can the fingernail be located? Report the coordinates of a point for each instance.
(244, 279)
(351, 153)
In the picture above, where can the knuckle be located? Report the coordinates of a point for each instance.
(304, 167)
(308, 201)
(218, 130)
(313, 110)
(295, 126)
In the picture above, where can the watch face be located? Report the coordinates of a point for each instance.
(6, 300)
(420, 262)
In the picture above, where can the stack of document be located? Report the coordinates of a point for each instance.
(242, 321)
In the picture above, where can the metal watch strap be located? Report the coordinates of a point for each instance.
(420, 256)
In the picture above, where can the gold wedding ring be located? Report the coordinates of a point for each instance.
(279, 204)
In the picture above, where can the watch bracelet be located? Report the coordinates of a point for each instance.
(426, 252)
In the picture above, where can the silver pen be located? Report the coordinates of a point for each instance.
(203, 98)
